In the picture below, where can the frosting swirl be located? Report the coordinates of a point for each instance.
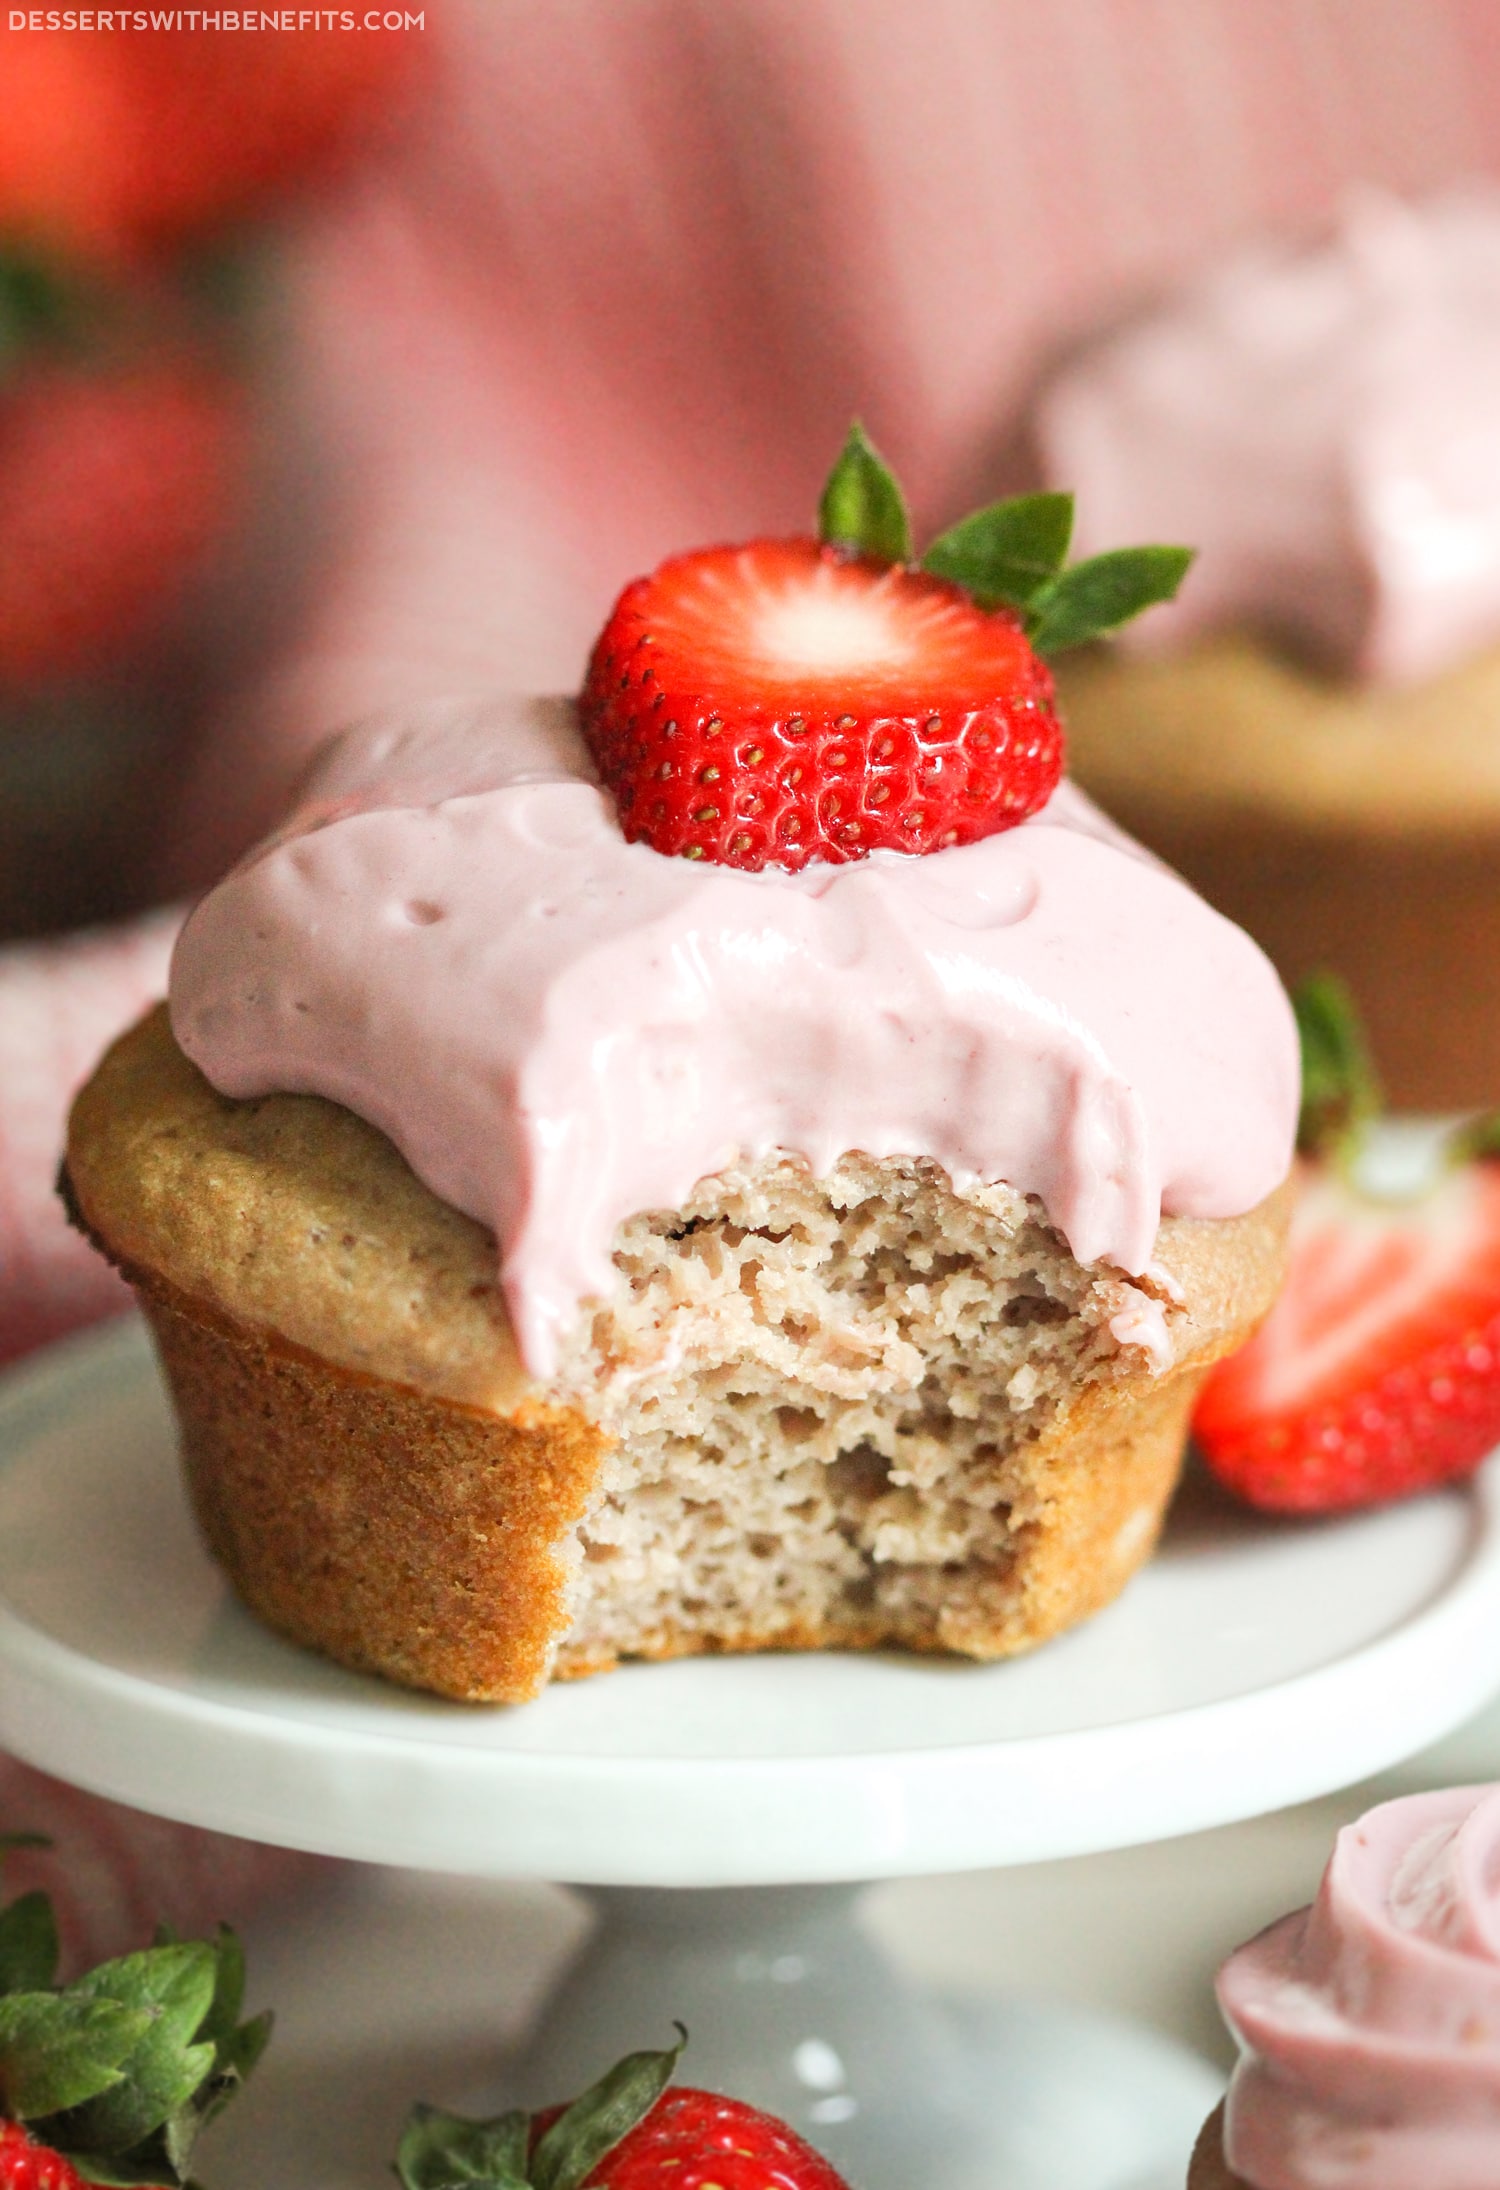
(1323, 423)
(559, 1029)
(1370, 2022)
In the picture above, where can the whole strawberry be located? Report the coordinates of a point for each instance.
(627, 2132)
(117, 144)
(1377, 1373)
(791, 700)
(111, 2078)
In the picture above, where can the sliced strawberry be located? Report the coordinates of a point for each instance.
(1377, 1373)
(784, 701)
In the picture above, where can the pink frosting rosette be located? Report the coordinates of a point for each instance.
(1370, 2023)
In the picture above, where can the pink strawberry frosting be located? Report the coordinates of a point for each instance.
(559, 1029)
(1370, 2023)
(1325, 424)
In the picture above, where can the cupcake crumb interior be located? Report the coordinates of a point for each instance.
(822, 1392)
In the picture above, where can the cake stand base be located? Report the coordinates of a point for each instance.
(1252, 1665)
(790, 2004)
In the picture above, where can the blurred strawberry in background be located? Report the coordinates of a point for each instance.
(116, 145)
(142, 178)
(123, 461)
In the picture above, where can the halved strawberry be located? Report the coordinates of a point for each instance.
(790, 700)
(1377, 1373)
(780, 702)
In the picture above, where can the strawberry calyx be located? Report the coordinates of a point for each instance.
(556, 2150)
(628, 2131)
(116, 2073)
(1010, 554)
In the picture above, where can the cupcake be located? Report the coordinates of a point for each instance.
(1311, 734)
(560, 1251)
(1369, 2024)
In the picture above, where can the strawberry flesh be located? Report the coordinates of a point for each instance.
(27, 2165)
(779, 702)
(1377, 1373)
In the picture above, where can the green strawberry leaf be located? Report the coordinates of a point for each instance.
(165, 2154)
(1340, 1089)
(237, 2046)
(59, 2051)
(28, 1945)
(235, 2058)
(440, 2151)
(221, 2025)
(594, 2124)
(1097, 596)
(39, 309)
(862, 506)
(174, 1986)
(1007, 552)
(122, 2174)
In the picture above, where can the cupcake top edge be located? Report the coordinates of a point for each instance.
(559, 1028)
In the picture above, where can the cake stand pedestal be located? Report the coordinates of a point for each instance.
(1251, 1666)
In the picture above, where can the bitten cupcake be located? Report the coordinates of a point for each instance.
(751, 1162)
(1369, 2024)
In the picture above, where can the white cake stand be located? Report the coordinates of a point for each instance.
(1252, 1665)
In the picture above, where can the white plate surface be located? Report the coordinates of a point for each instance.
(1253, 1664)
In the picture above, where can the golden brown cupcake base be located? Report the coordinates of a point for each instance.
(412, 1537)
(396, 1533)
(815, 1441)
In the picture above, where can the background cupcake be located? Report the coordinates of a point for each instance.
(1369, 2023)
(1313, 732)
